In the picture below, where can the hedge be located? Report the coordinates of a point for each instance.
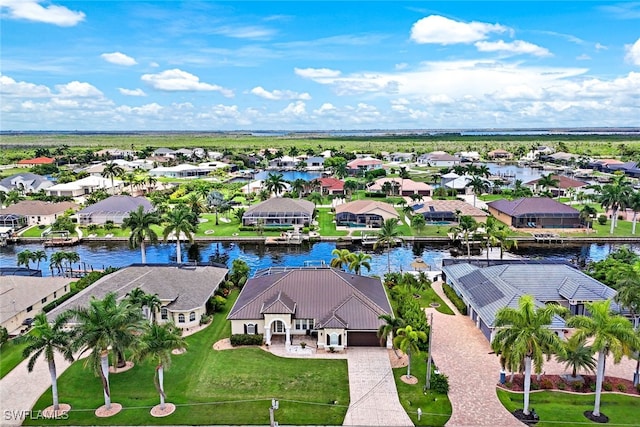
(246, 339)
(454, 298)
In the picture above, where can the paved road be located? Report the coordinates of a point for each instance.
(373, 393)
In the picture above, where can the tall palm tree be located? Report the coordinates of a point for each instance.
(358, 261)
(578, 355)
(151, 181)
(103, 326)
(467, 225)
(341, 258)
(389, 327)
(71, 257)
(24, 258)
(524, 334)
(47, 339)
(140, 223)
(407, 340)
(349, 187)
(615, 196)
(587, 213)
(628, 296)
(136, 296)
(611, 334)
(156, 344)
(418, 222)
(492, 233)
(340, 170)
(634, 204)
(56, 260)
(315, 197)
(478, 186)
(180, 222)
(298, 185)
(275, 183)
(38, 256)
(153, 304)
(216, 200)
(388, 235)
(112, 170)
(548, 181)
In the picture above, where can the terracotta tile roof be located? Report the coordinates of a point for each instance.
(331, 183)
(37, 161)
(363, 162)
(406, 184)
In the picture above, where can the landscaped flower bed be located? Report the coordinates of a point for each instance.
(558, 383)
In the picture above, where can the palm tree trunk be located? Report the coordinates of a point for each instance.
(178, 251)
(158, 379)
(409, 363)
(527, 384)
(599, 378)
(143, 252)
(613, 220)
(104, 374)
(633, 223)
(54, 385)
(388, 258)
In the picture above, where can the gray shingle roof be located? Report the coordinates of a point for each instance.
(318, 293)
(37, 207)
(282, 205)
(124, 204)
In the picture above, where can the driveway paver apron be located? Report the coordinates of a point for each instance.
(372, 389)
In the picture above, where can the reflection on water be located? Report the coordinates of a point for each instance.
(118, 254)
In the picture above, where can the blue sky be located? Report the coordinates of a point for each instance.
(302, 65)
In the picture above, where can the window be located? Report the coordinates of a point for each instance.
(334, 339)
(303, 324)
(180, 318)
(251, 328)
(55, 295)
(43, 300)
(192, 316)
(278, 326)
(65, 288)
(164, 314)
(29, 308)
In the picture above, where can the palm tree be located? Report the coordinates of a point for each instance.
(389, 327)
(13, 196)
(341, 258)
(298, 185)
(359, 260)
(340, 170)
(24, 258)
(156, 344)
(140, 223)
(179, 222)
(387, 188)
(195, 203)
(349, 187)
(628, 296)
(151, 182)
(466, 226)
(103, 326)
(112, 170)
(502, 237)
(615, 196)
(587, 213)
(153, 303)
(71, 257)
(136, 296)
(407, 340)
(38, 256)
(524, 334)
(275, 183)
(388, 235)
(56, 260)
(611, 334)
(548, 181)
(48, 338)
(418, 222)
(216, 200)
(577, 356)
(315, 197)
(478, 186)
(634, 204)
(492, 232)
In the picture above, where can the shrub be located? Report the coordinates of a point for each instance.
(622, 388)
(204, 319)
(607, 386)
(454, 298)
(562, 385)
(602, 219)
(576, 386)
(638, 388)
(440, 383)
(535, 385)
(217, 303)
(546, 384)
(42, 226)
(508, 384)
(592, 387)
(246, 339)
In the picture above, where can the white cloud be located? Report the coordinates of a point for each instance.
(583, 57)
(10, 87)
(515, 47)
(297, 108)
(154, 64)
(178, 80)
(77, 89)
(277, 95)
(132, 92)
(633, 53)
(316, 73)
(440, 30)
(32, 10)
(119, 58)
(599, 47)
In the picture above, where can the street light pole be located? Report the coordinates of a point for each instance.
(427, 385)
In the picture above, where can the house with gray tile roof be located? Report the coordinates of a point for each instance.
(25, 183)
(38, 212)
(280, 211)
(486, 290)
(535, 212)
(114, 208)
(334, 308)
(182, 289)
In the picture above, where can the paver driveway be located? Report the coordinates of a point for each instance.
(372, 389)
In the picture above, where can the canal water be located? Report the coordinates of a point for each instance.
(118, 254)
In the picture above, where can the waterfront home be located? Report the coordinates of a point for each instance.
(97, 170)
(399, 157)
(402, 187)
(24, 296)
(315, 163)
(10, 223)
(183, 290)
(115, 153)
(280, 211)
(438, 159)
(28, 163)
(330, 186)
(460, 184)
(468, 156)
(329, 307)
(631, 169)
(499, 154)
(85, 186)
(114, 209)
(284, 162)
(364, 213)
(562, 189)
(561, 157)
(25, 183)
(184, 170)
(487, 290)
(535, 212)
(253, 187)
(37, 212)
(164, 152)
(448, 211)
(364, 164)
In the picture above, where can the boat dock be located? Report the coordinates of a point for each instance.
(547, 238)
(61, 242)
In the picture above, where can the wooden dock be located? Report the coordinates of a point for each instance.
(57, 243)
(547, 238)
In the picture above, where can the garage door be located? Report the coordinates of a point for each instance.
(362, 339)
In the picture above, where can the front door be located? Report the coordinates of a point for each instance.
(277, 327)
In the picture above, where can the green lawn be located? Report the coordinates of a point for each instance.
(226, 229)
(428, 296)
(36, 231)
(213, 387)
(556, 408)
(10, 356)
(325, 222)
(115, 232)
(436, 408)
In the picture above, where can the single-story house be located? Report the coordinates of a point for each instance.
(38, 212)
(182, 289)
(468, 156)
(448, 210)
(561, 157)
(28, 163)
(25, 183)
(399, 157)
(9, 223)
(315, 163)
(486, 290)
(364, 164)
(280, 211)
(115, 153)
(364, 213)
(460, 184)
(438, 159)
(164, 152)
(184, 170)
(334, 308)
(24, 296)
(97, 170)
(403, 187)
(114, 208)
(330, 185)
(535, 212)
(284, 162)
(85, 186)
(499, 154)
(560, 190)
